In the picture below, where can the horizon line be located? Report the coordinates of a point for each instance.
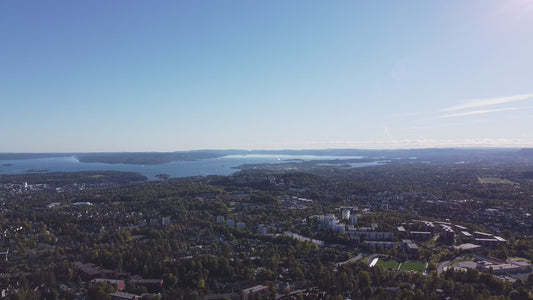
(273, 150)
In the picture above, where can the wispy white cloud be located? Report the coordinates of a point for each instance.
(486, 102)
(476, 112)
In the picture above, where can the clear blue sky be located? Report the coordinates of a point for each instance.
(178, 75)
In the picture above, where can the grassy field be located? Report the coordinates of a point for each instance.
(413, 266)
(389, 264)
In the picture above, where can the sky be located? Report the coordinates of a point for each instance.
(123, 75)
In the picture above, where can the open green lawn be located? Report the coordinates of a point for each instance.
(413, 266)
(389, 264)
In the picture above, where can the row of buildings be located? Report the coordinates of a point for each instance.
(500, 267)
(93, 273)
(447, 232)
(230, 222)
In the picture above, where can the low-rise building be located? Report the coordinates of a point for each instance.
(346, 214)
(461, 227)
(262, 229)
(465, 235)
(411, 248)
(340, 228)
(123, 296)
(402, 233)
(91, 271)
(482, 235)
(448, 234)
(489, 243)
(429, 226)
(151, 285)
(117, 283)
(254, 290)
(420, 235)
(468, 247)
(353, 219)
(500, 267)
(380, 244)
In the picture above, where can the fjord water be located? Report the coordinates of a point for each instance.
(224, 165)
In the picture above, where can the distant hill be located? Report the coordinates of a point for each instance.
(13, 156)
(144, 158)
(438, 155)
(130, 158)
(91, 177)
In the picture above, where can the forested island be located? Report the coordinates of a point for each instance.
(409, 229)
(444, 155)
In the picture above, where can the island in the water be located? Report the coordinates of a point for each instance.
(157, 158)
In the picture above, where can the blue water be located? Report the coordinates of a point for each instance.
(225, 165)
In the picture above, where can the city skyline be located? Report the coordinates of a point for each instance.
(128, 76)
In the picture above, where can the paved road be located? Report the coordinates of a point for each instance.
(358, 257)
(440, 267)
(293, 293)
